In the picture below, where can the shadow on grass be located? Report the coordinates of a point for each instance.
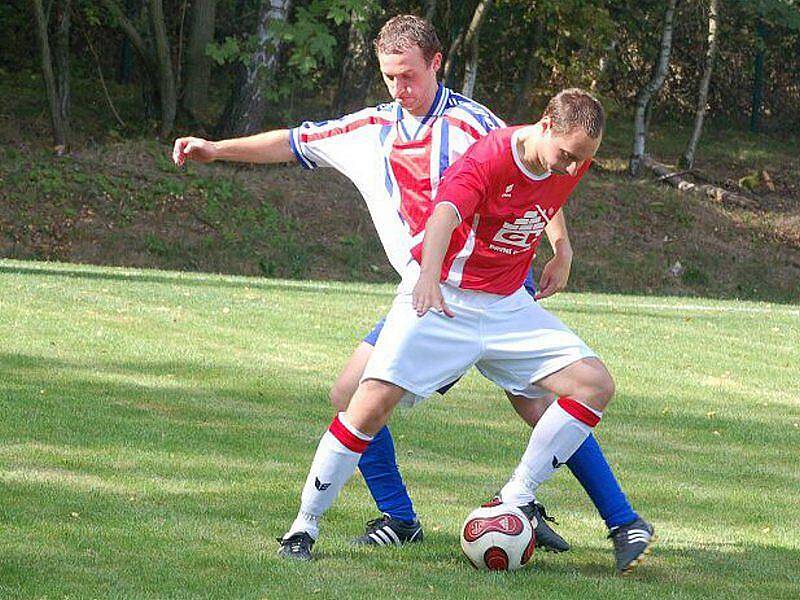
(193, 280)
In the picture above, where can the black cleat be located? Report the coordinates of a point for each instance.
(296, 547)
(631, 544)
(386, 531)
(546, 538)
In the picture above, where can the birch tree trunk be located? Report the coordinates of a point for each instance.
(650, 88)
(198, 65)
(472, 43)
(60, 131)
(702, 95)
(248, 105)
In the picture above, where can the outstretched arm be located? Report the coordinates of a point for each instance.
(439, 229)
(556, 272)
(268, 147)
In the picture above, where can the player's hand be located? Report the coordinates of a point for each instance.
(193, 148)
(427, 295)
(554, 276)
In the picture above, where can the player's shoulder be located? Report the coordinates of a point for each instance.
(468, 110)
(379, 114)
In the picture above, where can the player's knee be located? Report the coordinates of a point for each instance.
(603, 389)
(372, 404)
(340, 396)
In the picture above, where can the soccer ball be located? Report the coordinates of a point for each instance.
(497, 537)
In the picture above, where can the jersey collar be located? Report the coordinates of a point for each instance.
(518, 160)
(419, 125)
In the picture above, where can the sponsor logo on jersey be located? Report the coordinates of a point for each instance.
(522, 232)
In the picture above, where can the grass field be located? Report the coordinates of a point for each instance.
(155, 430)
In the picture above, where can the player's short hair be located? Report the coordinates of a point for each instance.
(403, 32)
(573, 108)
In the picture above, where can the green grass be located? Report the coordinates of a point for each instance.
(156, 429)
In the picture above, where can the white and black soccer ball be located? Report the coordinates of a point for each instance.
(497, 537)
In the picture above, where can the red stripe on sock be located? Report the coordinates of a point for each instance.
(579, 411)
(348, 439)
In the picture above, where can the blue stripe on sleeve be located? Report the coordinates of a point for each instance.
(304, 162)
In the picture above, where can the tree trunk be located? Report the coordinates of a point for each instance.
(357, 67)
(712, 192)
(757, 104)
(430, 10)
(129, 29)
(125, 67)
(606, 67)
(650, 88)
(60, 131)
(472, 42)
(702, 95)
(452, 53)
(63, 10)
(249, 103)
(525, 86)
(198, 65)
(166, 78)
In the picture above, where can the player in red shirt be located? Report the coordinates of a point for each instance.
(479, 242)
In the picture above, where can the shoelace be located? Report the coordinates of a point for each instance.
(544, 514)
(294, 542)
(375, 524)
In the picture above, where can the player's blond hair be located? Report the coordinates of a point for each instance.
(403, 32)
(573, 108)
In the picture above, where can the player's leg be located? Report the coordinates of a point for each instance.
(531, 410)
(378, 463)
(588, 465)
(582, 389)
(337, 455)
(410, 349)
(527, 350)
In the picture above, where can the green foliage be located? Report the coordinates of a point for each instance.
(226, 51)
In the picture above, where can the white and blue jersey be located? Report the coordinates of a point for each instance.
(395, 159)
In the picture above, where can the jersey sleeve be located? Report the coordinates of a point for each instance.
(464, 187)
(337, 142)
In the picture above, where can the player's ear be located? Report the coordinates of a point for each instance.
(436, 62)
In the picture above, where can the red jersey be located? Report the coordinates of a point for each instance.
(504, 209)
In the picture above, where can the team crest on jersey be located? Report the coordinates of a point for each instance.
(522, 232)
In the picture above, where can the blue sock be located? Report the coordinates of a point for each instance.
(379, 468)
(592, 470)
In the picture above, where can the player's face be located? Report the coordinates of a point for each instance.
(410, 79)
(565, 154)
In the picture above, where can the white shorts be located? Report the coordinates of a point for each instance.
(512, 341)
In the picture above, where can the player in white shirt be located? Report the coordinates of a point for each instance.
(395, 154)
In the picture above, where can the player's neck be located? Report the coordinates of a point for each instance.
(527, 149)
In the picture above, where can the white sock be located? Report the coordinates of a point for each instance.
(559, 433)
(334, 463)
